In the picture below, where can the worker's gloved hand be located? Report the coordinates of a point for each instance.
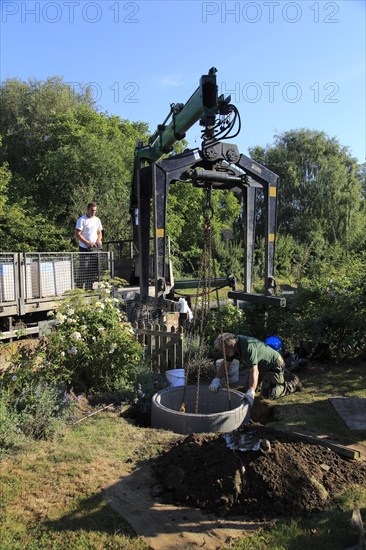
(249, 397)
(215, 385)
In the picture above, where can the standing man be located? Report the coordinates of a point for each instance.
(266, 366)
(88, 231)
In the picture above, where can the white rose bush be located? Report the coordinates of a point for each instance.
(92, 346)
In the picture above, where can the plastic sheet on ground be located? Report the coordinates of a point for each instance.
(247, 442)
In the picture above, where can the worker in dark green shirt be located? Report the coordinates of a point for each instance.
(266, 367)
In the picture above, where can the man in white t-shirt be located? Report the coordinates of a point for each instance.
(88, 229)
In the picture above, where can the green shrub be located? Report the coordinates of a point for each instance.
(327, 308)
(11, 436)
(226, 318)
(29, 408)
(333, 311)
(92, 346)
(229, 258)
(42, 409)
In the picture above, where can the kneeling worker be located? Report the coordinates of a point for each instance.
(266, 366)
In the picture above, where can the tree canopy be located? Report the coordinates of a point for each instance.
(58, 153)
(320, 196)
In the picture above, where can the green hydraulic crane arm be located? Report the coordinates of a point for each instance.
(202, 105)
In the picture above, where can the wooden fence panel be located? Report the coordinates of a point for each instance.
(164, 342)
(157, 347)
(163, 348)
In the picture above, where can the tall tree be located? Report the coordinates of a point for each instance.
(26, 113)
(23, 228)
(320, 192)
(5, 177)
(90, 157)
(62, 153)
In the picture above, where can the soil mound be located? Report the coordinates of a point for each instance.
(294, 478)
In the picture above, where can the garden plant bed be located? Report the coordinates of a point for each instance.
(294, 479)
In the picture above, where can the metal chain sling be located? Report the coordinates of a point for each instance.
(205, 275)
(207, 263)
(211, 272)
(202, 276)
(222, 341)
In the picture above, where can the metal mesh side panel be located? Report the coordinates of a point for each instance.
(7, 279)
(89, 267)
(49, 274)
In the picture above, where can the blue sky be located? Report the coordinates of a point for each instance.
(286, 64)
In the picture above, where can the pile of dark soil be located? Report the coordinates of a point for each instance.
(294, 478)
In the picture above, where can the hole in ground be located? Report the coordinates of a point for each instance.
(263, 412)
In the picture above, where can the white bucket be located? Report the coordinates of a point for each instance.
(175, 377)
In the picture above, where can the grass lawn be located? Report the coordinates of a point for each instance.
(311, 411)
(50, 493)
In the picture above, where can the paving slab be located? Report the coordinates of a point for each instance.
(168, 527)
(352, 410)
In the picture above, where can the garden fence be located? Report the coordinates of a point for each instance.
(163, 347)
